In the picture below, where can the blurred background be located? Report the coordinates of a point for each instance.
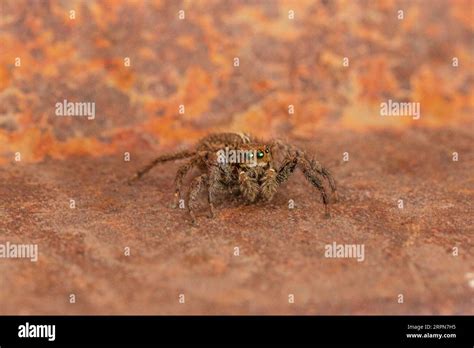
(190, 62)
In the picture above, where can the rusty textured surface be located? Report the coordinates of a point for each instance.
(408, 251)
(282, 62)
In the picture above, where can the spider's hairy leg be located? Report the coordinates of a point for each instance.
(288, 167)
(196, 186)
(214, 186)
(315, 165)
(269, 184)
(229, 179)
(311, 176)
(180, 175)
(248, 186)
(280, 145)
(159, 160)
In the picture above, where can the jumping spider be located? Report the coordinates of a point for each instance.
(253, 174)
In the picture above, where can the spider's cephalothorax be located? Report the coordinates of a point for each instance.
(239, 164)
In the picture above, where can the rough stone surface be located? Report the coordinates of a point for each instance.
(407, 251)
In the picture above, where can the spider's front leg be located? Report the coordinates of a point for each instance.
(288, 167)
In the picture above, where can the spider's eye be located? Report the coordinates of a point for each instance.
(267, 150)
(250, 154)
(260, 154)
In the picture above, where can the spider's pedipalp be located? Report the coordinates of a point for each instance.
(269, 184)
(248, 186)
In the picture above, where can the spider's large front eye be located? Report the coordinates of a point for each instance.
(260, 154)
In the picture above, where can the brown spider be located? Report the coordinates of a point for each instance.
(240, 164)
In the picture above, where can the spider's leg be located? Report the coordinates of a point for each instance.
(279, 145)
(315, 165)
(269, 184)
(248, 186)
(288, 167)
(196, 186)
(178, 180)
(159, 160)
(312, 177)
(214, 186)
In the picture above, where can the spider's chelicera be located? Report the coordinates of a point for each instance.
(238, 163)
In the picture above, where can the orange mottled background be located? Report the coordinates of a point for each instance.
(282, 61)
